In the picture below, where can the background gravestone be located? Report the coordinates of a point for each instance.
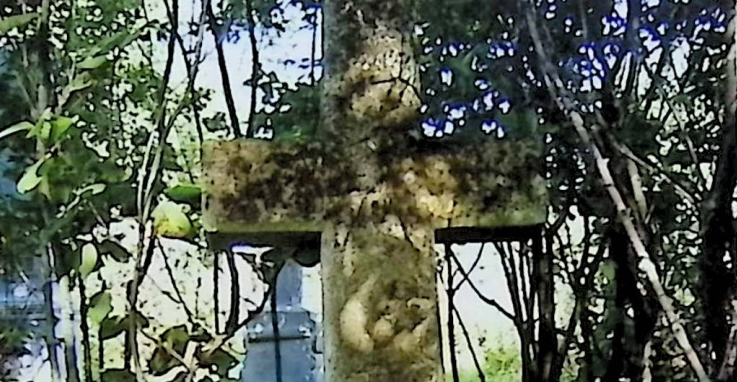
(293, 347)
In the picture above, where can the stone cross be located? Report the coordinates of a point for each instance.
(376, 199)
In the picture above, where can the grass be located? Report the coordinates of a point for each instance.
(503, 364)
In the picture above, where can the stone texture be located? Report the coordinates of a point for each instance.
(255, 186)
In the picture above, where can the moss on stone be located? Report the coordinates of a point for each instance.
(255, 186)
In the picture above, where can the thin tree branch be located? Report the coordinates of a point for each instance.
(726, 368)
(224, 75)
(473, 266)
(255, 69)
(85, 329)
(275, 330)
(467, 336)
(193, 69)
(451, 318)
(177, 291)
(624, 150)
(313, 48)
(221, 339)
(145, 197)
(235, 293)
(683, 130)
(483, 298)
(510, 276)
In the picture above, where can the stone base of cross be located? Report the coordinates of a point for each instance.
(376, 231)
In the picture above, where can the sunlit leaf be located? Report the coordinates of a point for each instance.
(184, 193)
(91, 63)
(89, 257)
(171, 221)
(9, 23)
(119, 40)
(100, 306)
(45, 132)
(30, 178)
(59, 126)
(94, 189)
(18, 127)
(80, 82)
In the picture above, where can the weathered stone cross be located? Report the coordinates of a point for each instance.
(377, 200)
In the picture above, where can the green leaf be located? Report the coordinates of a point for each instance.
(80, 82)
(94, 189)
(100, 306)
(120, 40)
(30, 178)
(117, 375)
(92, 63)
(219, 361)
(171, 221)
(177, 337)
(184, 193)
(89, 257)
(608, 270)
(683, 99)
(45, 132)
(161, 362)
(9, 23)
(115, 250)
(18, 127)
(38, 129)
(111, 327)
(59, 126)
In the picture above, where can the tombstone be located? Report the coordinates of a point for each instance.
(288, 355)
(374, 198)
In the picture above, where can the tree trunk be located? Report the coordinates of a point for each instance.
(85, 329)
(718, 285)
(67, 330)
(51, 340)
(547, 340)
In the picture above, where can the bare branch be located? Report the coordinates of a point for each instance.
(554, 85)
(255, 69)
(235, 293)
(224, 75)
(683, 130)
(146, 195)
(624, 150)
(177, 291)
(473, 266)
(483, 298)
(467, 336)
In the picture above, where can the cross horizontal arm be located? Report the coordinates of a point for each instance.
(262, 188)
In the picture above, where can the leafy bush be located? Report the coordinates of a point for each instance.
(503, 364)
(13, 338)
